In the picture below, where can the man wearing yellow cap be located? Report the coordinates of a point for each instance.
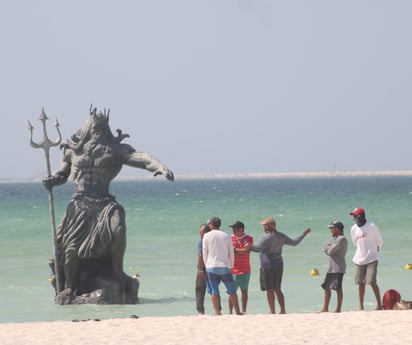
(271, 261)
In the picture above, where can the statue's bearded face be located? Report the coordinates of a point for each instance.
(99, 129)
(98, 140)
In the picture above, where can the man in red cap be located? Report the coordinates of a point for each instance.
(368, 241)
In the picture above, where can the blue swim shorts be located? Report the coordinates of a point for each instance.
(215, 279)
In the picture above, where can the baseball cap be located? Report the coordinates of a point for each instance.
(238, 224)
(215, 221)
(336, 224)
(357, 212)
(268, 220)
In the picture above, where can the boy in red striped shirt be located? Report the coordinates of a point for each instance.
(241, 267)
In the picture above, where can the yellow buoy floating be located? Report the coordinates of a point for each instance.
(314, 272)
(408, 267)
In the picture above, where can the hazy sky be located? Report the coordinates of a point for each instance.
(213, 86)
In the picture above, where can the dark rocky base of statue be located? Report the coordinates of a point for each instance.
(97, 285)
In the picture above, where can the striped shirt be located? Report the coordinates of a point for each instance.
(242, 261)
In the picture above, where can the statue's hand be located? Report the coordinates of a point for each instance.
(165, 172)
(49, 182)
(55, 180)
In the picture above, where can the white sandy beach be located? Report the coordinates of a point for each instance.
(355, 328)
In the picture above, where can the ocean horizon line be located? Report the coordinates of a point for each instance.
(313, 174)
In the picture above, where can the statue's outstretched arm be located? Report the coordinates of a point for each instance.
(148, 162)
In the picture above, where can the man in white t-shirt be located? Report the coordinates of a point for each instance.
(368, 241)
(218, 256)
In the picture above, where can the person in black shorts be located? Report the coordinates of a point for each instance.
(271, 261)
(336, 250)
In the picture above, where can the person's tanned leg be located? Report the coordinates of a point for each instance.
(377, 293)
(244, 301)
(361, 291)
(339, 295)
(234, 300)
(281, 301)
(326, 301)
(216, 304)
(270, 294)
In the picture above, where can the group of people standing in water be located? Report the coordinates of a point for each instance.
(226, 258)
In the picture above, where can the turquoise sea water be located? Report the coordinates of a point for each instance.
(163, 220)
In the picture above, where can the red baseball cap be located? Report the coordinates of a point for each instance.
(357, 211)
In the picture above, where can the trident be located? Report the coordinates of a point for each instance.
(46, 144)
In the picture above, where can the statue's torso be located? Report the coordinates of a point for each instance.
(93, 172)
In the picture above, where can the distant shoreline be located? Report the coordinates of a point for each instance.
(299, 174)
(248, 175)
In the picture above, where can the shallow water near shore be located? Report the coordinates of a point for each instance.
(162, 231)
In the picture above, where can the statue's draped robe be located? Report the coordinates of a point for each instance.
(85, 231)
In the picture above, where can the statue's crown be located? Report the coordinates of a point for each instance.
(99, 117)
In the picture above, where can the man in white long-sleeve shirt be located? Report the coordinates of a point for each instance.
(218, 256)
(368, 241)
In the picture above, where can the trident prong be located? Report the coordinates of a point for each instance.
(46, 144)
